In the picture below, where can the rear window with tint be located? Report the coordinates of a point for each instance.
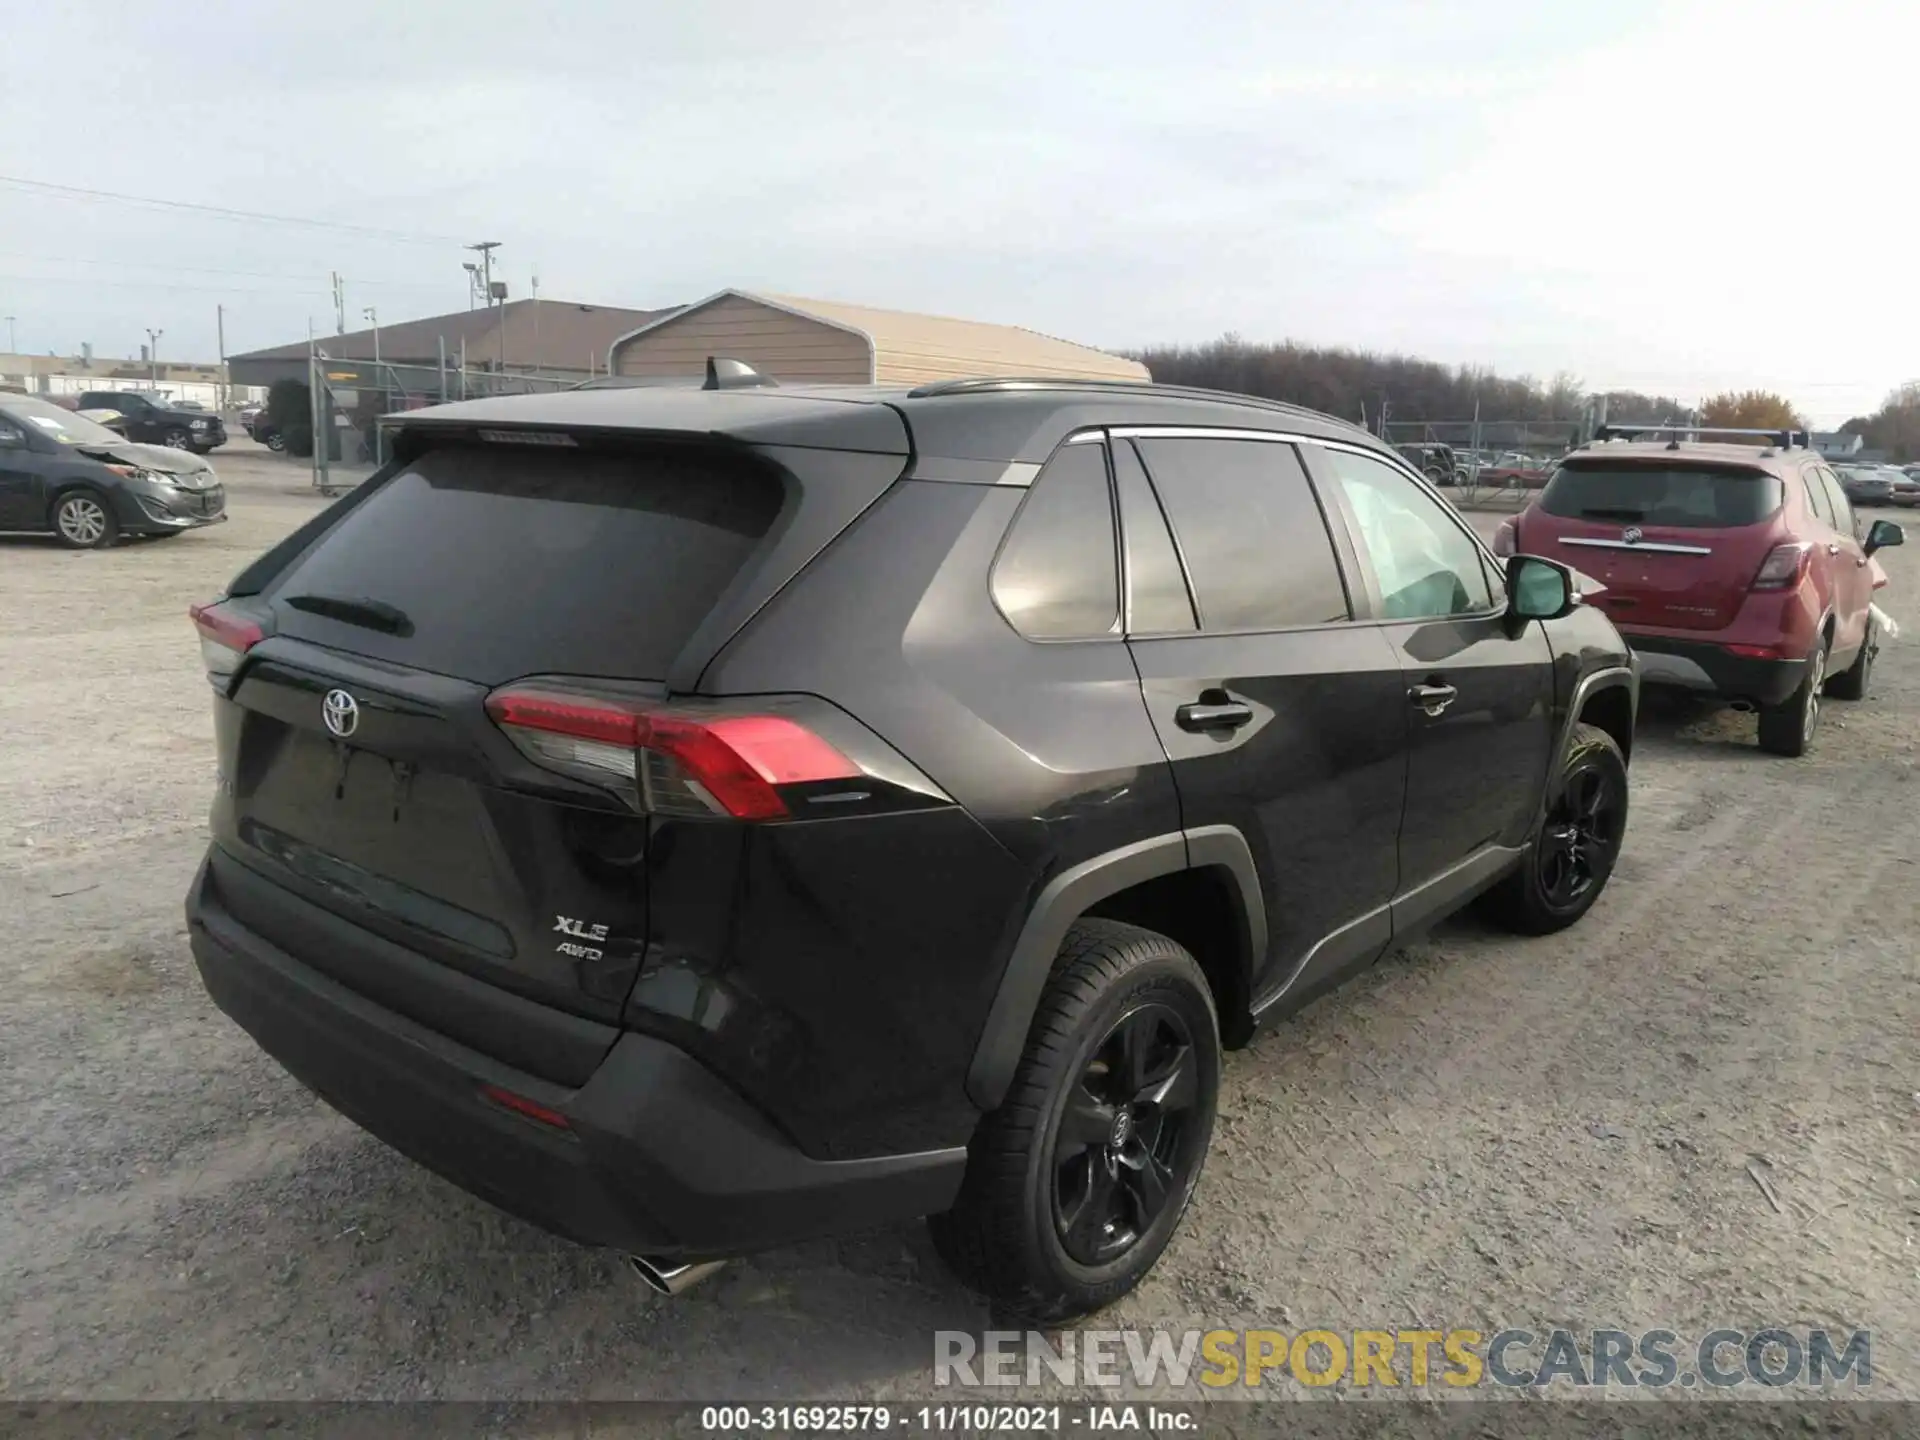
(493, 562)
(1689, 496)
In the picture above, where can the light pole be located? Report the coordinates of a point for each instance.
(153, 355)
(380, 385)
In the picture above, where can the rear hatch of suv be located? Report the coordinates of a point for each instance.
(383, 754)
(1677, 542)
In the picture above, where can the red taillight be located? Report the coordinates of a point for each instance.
(668, 761)
(224, 639)
(1784, 567)
(1753, 652)
(1506, 538)
(521, 1105)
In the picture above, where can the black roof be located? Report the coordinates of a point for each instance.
(998, 420)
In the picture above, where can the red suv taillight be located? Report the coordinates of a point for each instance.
(1784, 567)
(225, 638)
(1506, 538)
(667, 760)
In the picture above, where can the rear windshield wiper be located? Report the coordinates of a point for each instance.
(368, 613)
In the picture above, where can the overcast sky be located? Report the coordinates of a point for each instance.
(1679, 196)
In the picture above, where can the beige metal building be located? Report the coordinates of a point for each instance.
(794, 340)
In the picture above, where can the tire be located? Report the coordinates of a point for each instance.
(84, 520)
(1789, 727)
(177, 439)
(276, 442)
(1055, 1158)
(1571, 858)
(1851, 683)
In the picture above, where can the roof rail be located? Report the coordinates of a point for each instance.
(995, 384)
(1785, 439)
(726, 374)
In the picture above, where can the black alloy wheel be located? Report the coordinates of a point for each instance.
(1572, 855)
(1125, 1142)
(1077, 1181)
(1581, 837)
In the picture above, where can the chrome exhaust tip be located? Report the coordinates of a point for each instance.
(1743, 707)
(665, 1278)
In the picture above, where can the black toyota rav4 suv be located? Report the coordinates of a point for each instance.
(698, 819)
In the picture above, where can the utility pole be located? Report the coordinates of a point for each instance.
(379, 381)
(536, 322)
(153, 356)
(339, 305)
(485, 273)
(220, 330)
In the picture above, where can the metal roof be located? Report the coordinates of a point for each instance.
(550, 334)
(910, 348)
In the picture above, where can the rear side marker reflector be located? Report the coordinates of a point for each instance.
(521, 1105)
(666, 761)
(1753, 652)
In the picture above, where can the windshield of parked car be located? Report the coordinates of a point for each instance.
(63, 425)
(1662, 494)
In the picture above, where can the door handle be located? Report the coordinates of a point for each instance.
(1200, 717)
(1432, 698)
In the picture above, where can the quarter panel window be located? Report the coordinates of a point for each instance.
(1058, 575)
(1157, 598)
(1427, 564)
(1251, 531)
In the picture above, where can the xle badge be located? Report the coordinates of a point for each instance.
(579, 930)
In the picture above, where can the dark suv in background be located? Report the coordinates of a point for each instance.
(702, 819)
(152, 421)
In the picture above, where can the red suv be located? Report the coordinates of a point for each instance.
(1735, 569)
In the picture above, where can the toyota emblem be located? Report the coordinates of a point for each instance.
(1632, 535)
(341, 712)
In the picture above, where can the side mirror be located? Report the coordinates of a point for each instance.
(1539, 589)
(1883, 534)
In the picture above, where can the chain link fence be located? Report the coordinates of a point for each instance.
(349, 397)
(1487, 462)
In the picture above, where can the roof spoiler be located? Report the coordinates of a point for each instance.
(726, 374)
(1785, 439)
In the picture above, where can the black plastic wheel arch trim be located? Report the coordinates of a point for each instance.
(1067, 897)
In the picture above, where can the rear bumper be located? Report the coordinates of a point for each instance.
(1709, 669)
(661, 1158)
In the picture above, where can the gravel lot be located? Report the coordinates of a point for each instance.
(1483, 1132)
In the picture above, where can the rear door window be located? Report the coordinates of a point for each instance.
(1250, 531)
(495, 562)
(1817, 494)
(1686, 496)
(1058, 575)
(1837, 498)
